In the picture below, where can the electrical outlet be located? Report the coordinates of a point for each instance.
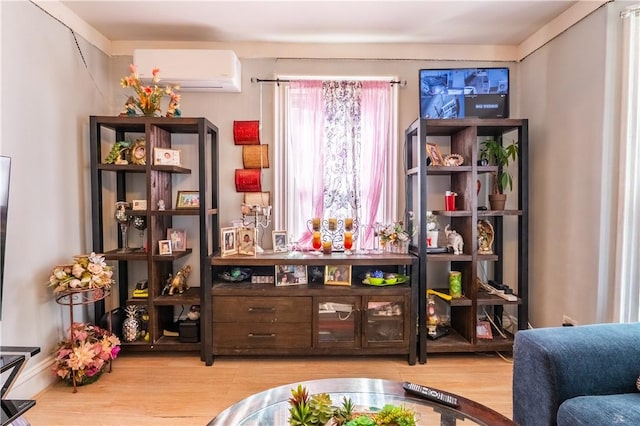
(568, 321)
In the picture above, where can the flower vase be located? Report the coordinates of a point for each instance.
(398, 247)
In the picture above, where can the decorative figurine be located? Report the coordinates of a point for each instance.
(194, 312)
(179, 282)
(161, 205)
(485, 237)
(454, 240)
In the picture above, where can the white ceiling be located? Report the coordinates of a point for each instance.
(505, 22)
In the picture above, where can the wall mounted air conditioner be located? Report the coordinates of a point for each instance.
(192, 69)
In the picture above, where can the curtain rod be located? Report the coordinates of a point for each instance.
(402, 83)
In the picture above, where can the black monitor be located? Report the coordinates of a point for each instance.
(5, 169)
(464, 93)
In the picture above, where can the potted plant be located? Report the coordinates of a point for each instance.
(432, 230)
(499, 155)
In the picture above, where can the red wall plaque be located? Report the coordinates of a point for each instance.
(248, 180)
(246, 132)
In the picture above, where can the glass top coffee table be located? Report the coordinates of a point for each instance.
(271, 407)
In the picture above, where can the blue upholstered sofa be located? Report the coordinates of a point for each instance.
(571, 376)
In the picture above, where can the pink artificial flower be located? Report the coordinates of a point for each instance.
(132, 68)
(155, 72)
(115, 351)
(148, 90)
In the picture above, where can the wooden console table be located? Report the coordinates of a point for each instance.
(313, 319)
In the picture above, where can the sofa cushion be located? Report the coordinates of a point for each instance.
(600, 410)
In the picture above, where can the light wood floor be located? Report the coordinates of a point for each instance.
(169, 389)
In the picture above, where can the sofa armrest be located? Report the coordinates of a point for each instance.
(551, 365)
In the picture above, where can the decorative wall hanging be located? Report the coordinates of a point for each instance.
(248, 180)
(262, 199)
(246, 132)
(255, 157)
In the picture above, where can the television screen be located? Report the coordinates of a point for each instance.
(464, 93)
(5, 167)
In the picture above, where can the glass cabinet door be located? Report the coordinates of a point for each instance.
(338, 322)
(386, 320)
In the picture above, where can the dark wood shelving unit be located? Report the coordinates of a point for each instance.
(464, 137)
(158, 132)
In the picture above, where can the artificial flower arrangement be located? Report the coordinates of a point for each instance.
(85, 354)
(149, 98)
(394, 234)
(87, 271)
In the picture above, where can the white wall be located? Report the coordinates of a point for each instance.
(568, 93)
(47, 97)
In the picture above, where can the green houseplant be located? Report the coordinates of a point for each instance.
(498, 154)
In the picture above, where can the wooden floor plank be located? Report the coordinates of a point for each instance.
(178, 389)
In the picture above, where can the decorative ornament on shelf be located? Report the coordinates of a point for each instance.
(395, 238)
(83, 357)
(87, 271)
(149, 98)
(454, 240)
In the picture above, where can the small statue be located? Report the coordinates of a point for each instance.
(161, 205)
(179, 282)
(454, 240)
(485, 237)
(194, 313)
(129, 108)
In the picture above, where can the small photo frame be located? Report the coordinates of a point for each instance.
(164, 247)
(434, 154)
(337, 275)
(246, 241)
(228, 241)
(188, 200)
(290, 275)
(483, 330)
(279, 241)
(178, 238)
(139, 204)
(166, 157)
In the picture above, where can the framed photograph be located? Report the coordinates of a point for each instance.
(228, 241)
(164, 247)
(434, 154)
(246, 241)
(188, 200)
(279, 241)
(337, 275)
(166, 157)
(483, 330)
(139, 204)
(290, 275)
(178, 238)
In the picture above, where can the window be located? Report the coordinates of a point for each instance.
(336, 154)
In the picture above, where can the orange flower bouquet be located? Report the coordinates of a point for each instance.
(149, 98)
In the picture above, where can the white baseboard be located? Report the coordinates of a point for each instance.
(33, 379)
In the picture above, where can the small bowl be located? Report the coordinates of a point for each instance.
(390, 280)
(375, 281)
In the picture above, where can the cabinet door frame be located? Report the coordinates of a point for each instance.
(367, 340)
(356, 315)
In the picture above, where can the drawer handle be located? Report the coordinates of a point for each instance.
(262, 335)
(262, 309)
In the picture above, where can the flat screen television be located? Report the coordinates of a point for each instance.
(5, 169)
(464, 93)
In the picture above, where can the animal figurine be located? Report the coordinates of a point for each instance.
(179, 282)
(454, 240)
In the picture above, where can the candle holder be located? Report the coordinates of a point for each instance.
(257, 216)
(333, 230)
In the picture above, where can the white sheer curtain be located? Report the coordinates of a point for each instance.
(627, 269)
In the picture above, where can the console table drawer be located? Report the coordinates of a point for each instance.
(262, 309)
(261, 335)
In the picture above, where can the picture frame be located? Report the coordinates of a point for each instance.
(164, 247)
(138, 152)
(279, 239)
(188, 200)
(166, 157)
(178, 238)
(483, 330)
(246, 239)
(290, 275)
(337, 275)
(434, 154)
(228, 241)
(138, 204)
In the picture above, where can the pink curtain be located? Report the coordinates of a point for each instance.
(337, 135)
(305, 127)
(376, 113)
